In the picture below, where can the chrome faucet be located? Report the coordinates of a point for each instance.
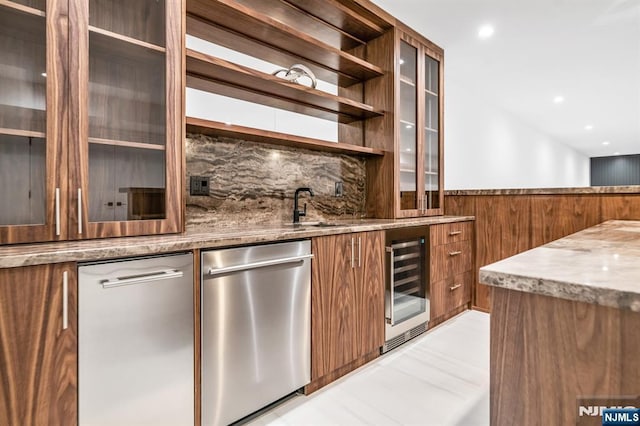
(296, 212)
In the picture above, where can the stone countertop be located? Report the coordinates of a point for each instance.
(204, 238)
(632, 189)
(599, 265)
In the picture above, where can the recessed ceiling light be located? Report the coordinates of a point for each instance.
(485, 31)
(606, 143)
(558, 99)
(401, 61)
(588, 127)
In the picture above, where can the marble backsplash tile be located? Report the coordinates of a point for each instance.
(254, 183)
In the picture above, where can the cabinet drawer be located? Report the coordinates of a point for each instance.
(450, 293)
(450, 233)
(450, 259)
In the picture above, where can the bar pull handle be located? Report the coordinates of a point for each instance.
(255, 265)
(142, 278)
(455, 253)
(453, 233)
(65, 300)
(390, 318)
(57, 211)
(455, 287)
(359, 252)
(79, 210)
(352, 253)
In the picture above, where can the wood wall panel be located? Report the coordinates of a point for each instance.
(38, 359)
(509, 224)
(624, 207)
(555, 217)
(534, 337)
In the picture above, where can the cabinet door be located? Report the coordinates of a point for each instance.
(33, 120)
(432, 141)
(407, 149)
(38, 354)
(370, 292)
(126, 135)
(333, 304)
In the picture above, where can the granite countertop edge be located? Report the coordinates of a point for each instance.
(629, 189)
(599, 265)
(19, 255)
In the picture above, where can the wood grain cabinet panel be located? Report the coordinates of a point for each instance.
(450, 259)
(451, 232)
(38, 356)
(450, 293)
(347, 299)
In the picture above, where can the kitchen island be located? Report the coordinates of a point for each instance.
(565, 328)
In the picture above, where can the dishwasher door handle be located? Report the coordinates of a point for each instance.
(142, 278)
(255, 265)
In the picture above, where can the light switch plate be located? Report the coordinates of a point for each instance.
(199, 185)
(339, 189)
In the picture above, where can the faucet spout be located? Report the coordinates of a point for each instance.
(297, 213)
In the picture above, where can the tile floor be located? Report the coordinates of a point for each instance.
(438, 379)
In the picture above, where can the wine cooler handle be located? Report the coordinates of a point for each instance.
(390, 318)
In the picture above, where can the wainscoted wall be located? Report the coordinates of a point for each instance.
(255, 183)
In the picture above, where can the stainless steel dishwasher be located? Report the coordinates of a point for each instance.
(135, 342)
(256, 319)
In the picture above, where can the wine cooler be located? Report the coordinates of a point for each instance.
(407, 285)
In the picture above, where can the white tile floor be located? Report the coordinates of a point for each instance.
(438, 379)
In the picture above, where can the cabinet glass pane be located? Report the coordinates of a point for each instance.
(431, 135)
(142, 20)
(408, 155)
(127, 131)
(409, 278)
(23, 88)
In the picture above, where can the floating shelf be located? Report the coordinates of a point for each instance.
(346, 16)
(127, 144)
(215, 128)
(238, 27)
(218, 76)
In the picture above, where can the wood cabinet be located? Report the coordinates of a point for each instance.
(90, 119)
(38, 345)
(451, 268)
(347, 300)
(409, 181)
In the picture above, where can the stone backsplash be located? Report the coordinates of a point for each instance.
(254, 183)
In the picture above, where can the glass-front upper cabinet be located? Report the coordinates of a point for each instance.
(129, 136)
(432, 157)
(419, 146)
(33, 41)
(408, 126)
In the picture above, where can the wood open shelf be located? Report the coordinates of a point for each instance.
(127, 144)
(216, 75)
(215, 128)
(238, 27)
(21, 8)
(346, 16)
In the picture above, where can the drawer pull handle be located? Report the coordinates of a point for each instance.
(452, 233)
(455, 287)
(455, 253)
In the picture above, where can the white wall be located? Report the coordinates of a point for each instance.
(488, 148)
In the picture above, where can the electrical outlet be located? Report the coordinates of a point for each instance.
(199, 185)
(339, 189)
